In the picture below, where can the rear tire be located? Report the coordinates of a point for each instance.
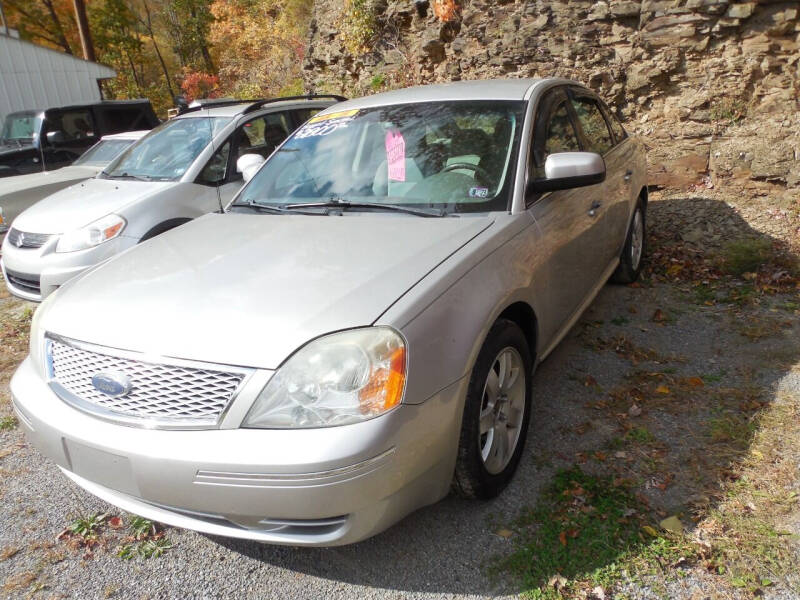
(632, 257)
(496, 413)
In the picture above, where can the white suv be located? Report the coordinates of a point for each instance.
(183, 169)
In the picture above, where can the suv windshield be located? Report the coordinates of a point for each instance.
(21, 127)
(452, 156)
(168, 151)
(103, 152)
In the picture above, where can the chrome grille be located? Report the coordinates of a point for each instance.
(22, 239)
(160, 394)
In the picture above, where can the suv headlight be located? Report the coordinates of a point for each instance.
(338, 379)
(92, 234)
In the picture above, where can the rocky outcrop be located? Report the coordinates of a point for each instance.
(711, 84)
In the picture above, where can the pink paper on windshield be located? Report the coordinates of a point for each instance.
(396, 155)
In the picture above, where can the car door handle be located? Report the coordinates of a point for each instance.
(628, 175)
(593, 208)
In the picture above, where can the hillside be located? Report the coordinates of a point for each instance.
(711, 84)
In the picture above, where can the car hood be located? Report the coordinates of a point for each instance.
(82, 203)
(18, 183)
(249, 290)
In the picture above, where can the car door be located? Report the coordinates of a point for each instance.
(623, 159)
(610, 202)
(566, 220)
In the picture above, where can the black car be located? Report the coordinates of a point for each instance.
(42, 140)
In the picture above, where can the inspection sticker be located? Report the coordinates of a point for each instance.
(478, 192)
(396, 155)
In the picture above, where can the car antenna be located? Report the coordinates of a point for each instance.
(213, 152)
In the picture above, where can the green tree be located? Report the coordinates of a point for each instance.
(188, 22)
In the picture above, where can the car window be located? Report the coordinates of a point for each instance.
(21, 126)
(74, 124)
(616, 127)
(118, 120)
(103, 152)
(593, 124)
(217, 166)
(553, 131)
(263, 134)
(168, 150)
(452, 155)
(305, 114)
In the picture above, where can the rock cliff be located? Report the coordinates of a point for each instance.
(712, 85)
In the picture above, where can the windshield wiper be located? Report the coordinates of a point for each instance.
(275, 208)
(129, 176)
(347, 205)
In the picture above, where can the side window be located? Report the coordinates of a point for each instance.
(593, 124)
(616, 127)
(304, 114)
(74, 124)
(554, 131)
(216, 168)
(262, 135)
(118, 120)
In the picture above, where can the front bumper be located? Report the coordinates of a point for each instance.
(315, 487)
(47, 270)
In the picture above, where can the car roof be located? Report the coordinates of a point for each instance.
(234, 110)
(126, 135)
(484, 89)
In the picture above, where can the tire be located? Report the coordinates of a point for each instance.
(632, 257)
(487, 461)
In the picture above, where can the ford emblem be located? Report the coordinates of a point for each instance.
(112, 383)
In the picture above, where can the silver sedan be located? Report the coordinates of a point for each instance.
(357, 333)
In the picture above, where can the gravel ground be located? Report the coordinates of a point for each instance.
(445, 550)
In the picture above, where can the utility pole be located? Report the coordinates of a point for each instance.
(83, 29)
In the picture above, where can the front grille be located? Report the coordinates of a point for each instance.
(24, 282)
(160, 394)
(22, 239)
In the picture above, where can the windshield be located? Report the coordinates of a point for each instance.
(168, 151)
(453, 156)
(21, 126)
(103, 152)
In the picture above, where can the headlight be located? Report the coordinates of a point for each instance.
(93, 234)
(338, 379)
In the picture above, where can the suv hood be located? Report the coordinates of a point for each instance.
(249, 290)
(82, 203)
(19, 183)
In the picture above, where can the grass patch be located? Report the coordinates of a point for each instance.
(640, 435)
(746, 256)
(8, 423)
(585, 531)
(87, 527)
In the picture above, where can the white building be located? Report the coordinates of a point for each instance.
(35, 77)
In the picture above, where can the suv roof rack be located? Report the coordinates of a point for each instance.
(259, 103)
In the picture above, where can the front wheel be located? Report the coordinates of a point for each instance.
(496, 413)
(630, 262)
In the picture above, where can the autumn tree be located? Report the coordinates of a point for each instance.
(48, 22)
(261, 45)
(188, 23)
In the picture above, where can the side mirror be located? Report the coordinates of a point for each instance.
(568, 170)
(56, 137)
(248, 164)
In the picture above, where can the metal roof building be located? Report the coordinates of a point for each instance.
(35, 77)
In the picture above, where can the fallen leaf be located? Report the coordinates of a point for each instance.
(562, 537)
(115, 523)
(662, 389)
(672, 524)
(658, 316)
(601, 456)
(589, 381)
(650, 531)
(573, 533)
(504, 533)
(620, 454)
(634, 410)
(695, 382)
(557, 581)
